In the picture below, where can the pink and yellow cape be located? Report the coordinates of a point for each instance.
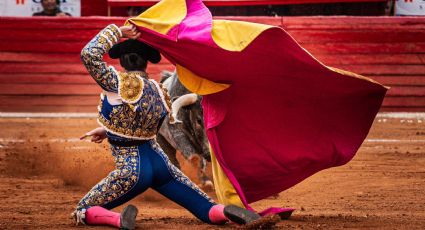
(274, 115)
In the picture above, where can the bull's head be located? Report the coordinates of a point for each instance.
(187, 111)
(188, 134)
(184, 100)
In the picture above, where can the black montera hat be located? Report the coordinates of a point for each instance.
(135, 46)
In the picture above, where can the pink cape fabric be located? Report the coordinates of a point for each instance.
(285, 117)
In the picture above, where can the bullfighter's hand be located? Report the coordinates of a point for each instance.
(97, 135)
(130, 32)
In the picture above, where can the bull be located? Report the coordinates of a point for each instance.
(187, 134)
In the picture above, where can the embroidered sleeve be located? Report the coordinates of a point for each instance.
(92, 58)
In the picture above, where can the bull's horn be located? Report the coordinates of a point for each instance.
(182, 101)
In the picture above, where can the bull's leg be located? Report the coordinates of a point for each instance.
(206, 182)
(168, 149)
(200, 165)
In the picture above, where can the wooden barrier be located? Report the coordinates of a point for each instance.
(40, 68)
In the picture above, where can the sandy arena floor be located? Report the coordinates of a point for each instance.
(44, 171)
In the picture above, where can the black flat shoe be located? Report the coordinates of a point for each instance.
(128, 217)
(240, 215)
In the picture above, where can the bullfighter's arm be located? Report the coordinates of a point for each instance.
(92, 58)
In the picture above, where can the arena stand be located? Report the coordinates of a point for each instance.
(40, 70)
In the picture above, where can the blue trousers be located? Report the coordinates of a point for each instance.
(139, 168)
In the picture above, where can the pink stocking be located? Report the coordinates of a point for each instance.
(100, 216)
(216, 214)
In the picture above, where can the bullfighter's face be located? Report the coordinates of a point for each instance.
(49, 5)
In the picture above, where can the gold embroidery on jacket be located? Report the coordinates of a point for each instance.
(139, 120)
(130, 86)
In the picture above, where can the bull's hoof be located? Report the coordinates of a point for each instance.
(207, 186)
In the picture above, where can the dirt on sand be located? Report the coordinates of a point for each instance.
(45, 169)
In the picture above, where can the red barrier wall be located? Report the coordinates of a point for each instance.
(94, 7)
(40, 68)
